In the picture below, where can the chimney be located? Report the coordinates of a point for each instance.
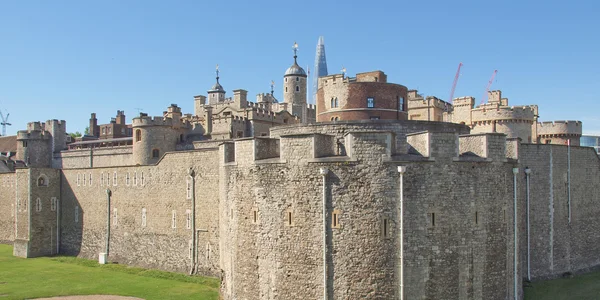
(120, 117)
(93, 129)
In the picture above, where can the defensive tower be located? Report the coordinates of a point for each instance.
(294, 88)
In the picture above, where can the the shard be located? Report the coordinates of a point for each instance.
(320, 67)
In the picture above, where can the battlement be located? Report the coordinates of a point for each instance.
(493, 112)
(332, 79)
(430, 101)
(40, 130)
(464, 101)
(145, 121)
(32, 135)
(560, 128)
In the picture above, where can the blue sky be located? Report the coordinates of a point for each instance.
(66, 59)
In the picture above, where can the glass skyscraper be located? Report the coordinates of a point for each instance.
(320, 67)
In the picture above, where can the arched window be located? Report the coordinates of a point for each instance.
(401, 103)
(42, 180)
(138, 135)
(286, 87)
(332, 104)
(155, 153)
(297, 88)
(336, 102)
(286, 79)
(297, 78)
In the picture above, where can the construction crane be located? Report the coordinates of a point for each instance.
(487, 88)
(4, 122)
(455, 82)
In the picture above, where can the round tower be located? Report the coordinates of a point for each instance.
(152, 137)
(294, 88)
(216, 94)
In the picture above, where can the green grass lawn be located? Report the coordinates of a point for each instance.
(59, 276)
(580, 287)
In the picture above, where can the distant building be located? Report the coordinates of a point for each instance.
(320, 67)
(591, 141)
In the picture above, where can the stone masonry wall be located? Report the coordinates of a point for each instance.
(456, 227)
(98, 157)
(149, 213)
(43, 234)
(7, 207)
(557, 245)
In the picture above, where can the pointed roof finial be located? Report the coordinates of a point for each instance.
(295, 47)
(272, 84)
(217, 70)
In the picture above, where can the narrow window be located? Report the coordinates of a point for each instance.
(188, 220)
(76, 214)
(24, 144)
(90, 178)
(115, 215)
(286, 81)
(138, 135)
(370, 102)
(289, 218)
(84, 180)
(385, 227)
(332, 105)
(53, 204)
(115, 178)
(335, 219)
(155, 153)
(297, 78)
(401, 103)
(286, 86)
(135, 178)
(190, 248)
(38, 204)
(208, 249)
(142, 178)
(174, 220)
(297, 88)
(144, 217)
(107, 179)
(127, 179)
(78, 183)
(102, 179)
(432, 219)
(476, 218)
(336, 102)
(188, 189)
(255, 215)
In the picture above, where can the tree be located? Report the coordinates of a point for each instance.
(86, 131)
(75, 134)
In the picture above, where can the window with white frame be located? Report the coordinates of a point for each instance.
(78, 183)
(188, 219)
(84, 179)
(76, 214)
(144, 217)
(102, 179)
(115, 178)
(90, 179)
(115, 215)
(370, 102)
(38, 204)
(127, 179)
(174, 219)
(189, 189)
(135, 178)
(107, 179)
(142, 182)
(53, 204)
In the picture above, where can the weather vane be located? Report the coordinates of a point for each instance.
(343, 71)
(217, 70)
(272, 84)
(295, 47)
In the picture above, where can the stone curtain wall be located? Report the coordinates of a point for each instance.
(461, 255)
(98, 157)
(8, 186)
(43, 221)
(160, 190)
(557, 246)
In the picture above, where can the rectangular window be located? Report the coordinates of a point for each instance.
(188, 220)
(143, 217)
(135, 178)
(38, 205)
(84, 180)
(432, 219)
(370, 102)
(102, 179)
(189, 189)
(255, 216)
(190, 248)
(289, 218)
(53, 204)
(127, 179)
(374, 118)
(115, 217)
(76, 214)
(335, 219)
(107, 179)
(115, 176)
(476, 218)
(78, 183)
(401, 103)
(174, 220)
(385, 227)
(90, 178)
(142, 178)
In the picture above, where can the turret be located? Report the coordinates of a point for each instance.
(216, 94)
(294, 88)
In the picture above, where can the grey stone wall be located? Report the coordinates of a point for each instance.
(159, 191)
(98, 157)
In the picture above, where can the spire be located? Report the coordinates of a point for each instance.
(217, 87)
(295, 69)
(320, 68)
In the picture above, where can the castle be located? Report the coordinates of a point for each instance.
(400, 197)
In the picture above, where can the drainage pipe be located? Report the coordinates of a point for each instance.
(515, 172)
(193, 221)
(324, 172)
(527, 173)
(107, 247)
(401, 170)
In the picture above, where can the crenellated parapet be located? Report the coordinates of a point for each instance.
(559, 132)
(514, 114)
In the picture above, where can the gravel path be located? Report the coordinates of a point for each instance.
(91, 297)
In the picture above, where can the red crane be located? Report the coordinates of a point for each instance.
(487, 89)
(454, 83)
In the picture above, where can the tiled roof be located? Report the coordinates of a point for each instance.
(8, 143)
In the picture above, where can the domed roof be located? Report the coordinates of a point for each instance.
(296, 70)
(217, 87)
